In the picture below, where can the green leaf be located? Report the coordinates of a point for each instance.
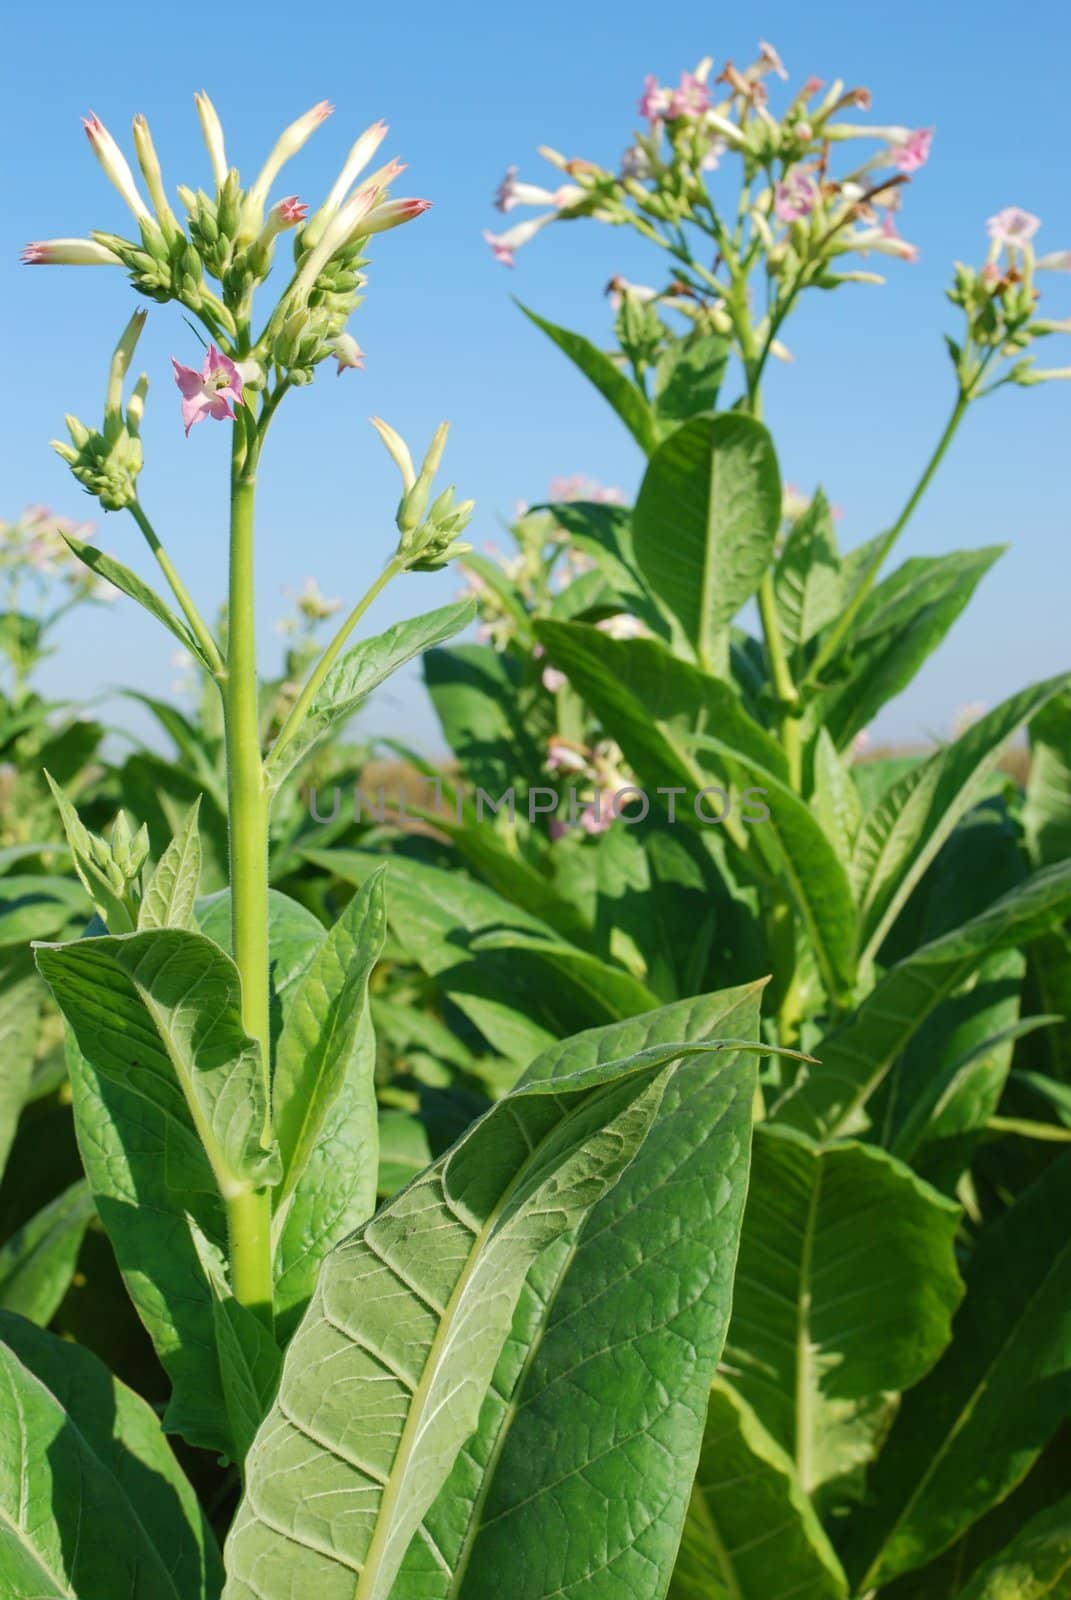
(898, 843)
(611, 1352)
(92, 1501)
(250, 1361)
(115, 573)
(808, 586)
(835, 801)
(319, 1038)
(1047, 809)
(171, 892)
(622, 394)
(899, 626)
(517, 980)
(854, 1059)
(162, 1012)
(385, 1380)
(476, 695)
(704, 526)
(294, 936)
(37, 907)
(360, 670)
(844, 1295)
(687, 378)
(21, 995)
(967, 1435)
(37, 1263)
(751, 1532)
(1035, 1566)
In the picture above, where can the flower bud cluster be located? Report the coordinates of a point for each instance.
(429, 534)
(1000, 301)
(107, 461)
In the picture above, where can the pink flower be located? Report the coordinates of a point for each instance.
(771, 60)
(597, 818)
(348, 353)
(795, 197)
(292, 210)
(908, 252)
(67, 253)
(210, 392)
(510, 193)
(691, 97)
(655, 100)
(1013, 226)
(912, 153)
(1056, 261)
(553, 680)
(503, 245)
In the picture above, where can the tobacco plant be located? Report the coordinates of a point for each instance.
(383, 1384)
(889, 1414)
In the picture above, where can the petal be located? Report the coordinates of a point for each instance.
(188, 380)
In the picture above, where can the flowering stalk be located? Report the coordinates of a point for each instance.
(232, 237)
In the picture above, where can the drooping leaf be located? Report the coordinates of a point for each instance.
(751, 1532)
(969, 1432)
(37, 1263)
(94, 1503)
(171, 892)
(105, 566)
(357, 672)
(395, 1358)
(704, 526)
(844, 1295)
(855, 1058)
(612, 383)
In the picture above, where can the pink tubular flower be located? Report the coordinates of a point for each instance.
(212, 392)
(655, 100)
(912, 153)
(690, 98)
(1013, 226)
(771, 60)
(795, 197)
(67, 253)
(292, 210)
(503, 245)
(348, 353)
(510, 193)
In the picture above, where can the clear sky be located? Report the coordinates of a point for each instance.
(469, 88)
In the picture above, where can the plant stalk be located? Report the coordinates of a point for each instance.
(248, 1213)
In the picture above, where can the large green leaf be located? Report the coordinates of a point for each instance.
(294, 936)
(249, 1358)
(161, 1011)
(1035, 1566)
(844, 1295)
(751, 1532)
(967, 1434)
(357, 672)
(388, 1375)
(900, 625)
(855, 1059)
(612, 383)
(37, 1263)
(476, 696)
(1047, 809)
(92, 1502)
(903, 836)
(687, 378)
(319, 1039)
(38, 908)
(159, 1063)
(704, 525)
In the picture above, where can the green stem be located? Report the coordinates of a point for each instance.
(299, 710)
(178, 589)
(248, 1213)
(847, 617)
(787, 694)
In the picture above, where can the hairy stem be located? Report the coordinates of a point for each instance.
(847, 617)
(178, 589)
(249, 1213)
(299, 710)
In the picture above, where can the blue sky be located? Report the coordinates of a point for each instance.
(468, 89)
